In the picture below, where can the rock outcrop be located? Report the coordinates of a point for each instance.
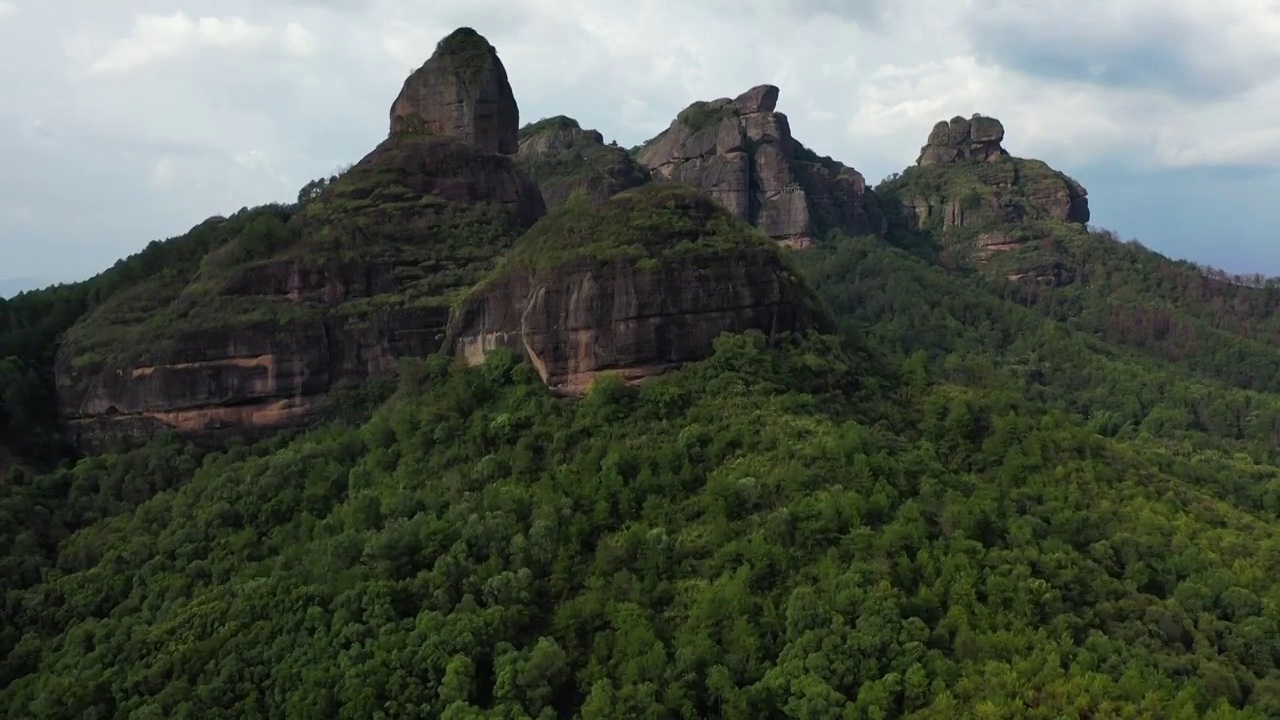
(977, 138)
(742, 154)
(1004, 213)
(461, 92)
(637, 286)
(290, 303)
(966, 183)
(563, 159)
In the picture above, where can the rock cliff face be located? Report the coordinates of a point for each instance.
(562, 159)
(291, 303)
(211, 385)
(977, 138)
(742, 154)
(461, 92)
(638, 286)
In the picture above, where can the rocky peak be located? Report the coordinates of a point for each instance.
(461, 92)
(977, 138)
(761, 98)
(741, 152)
(969, 189)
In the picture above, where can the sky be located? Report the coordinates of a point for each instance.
(129, 121)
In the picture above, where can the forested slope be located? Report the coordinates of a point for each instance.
(949, 516)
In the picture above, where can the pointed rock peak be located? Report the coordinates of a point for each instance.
(461, 92)
(975, 138)
(761, 98)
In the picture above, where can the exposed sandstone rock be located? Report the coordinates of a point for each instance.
(562, 159)
(263, 330)
(461, 92)
(977, 138)
(576, 302)
(741, 153)
(253, 379)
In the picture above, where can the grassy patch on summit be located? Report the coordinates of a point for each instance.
(650, 224)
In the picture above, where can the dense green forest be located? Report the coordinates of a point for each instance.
(982, 498)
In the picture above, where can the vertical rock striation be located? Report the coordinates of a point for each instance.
(741, 153)
(461, 92)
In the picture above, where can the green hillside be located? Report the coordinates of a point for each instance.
(980, 498)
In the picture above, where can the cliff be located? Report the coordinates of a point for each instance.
(293, 301)
(460, 92)
(741, 153)
(637, 286)
(563, 158)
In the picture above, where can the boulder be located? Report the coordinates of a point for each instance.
(977, 138)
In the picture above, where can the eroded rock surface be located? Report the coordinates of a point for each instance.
(576, 301)
(977, 138)
(461, 92)
(741, 152)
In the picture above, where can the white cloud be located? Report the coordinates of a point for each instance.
(156, 38)
(162, 173)
(260, 163)
(160, 37)
(7, 8)
(299, 40)
(1066, 123)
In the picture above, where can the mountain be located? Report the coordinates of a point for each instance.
(572, 445)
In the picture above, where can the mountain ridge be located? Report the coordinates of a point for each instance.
(454, 142)
(880, 475)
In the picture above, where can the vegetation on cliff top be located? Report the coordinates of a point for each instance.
(586, 163)
(549, 124)
(466, 50)
(704, 114)
(655, 223)
(989, 193)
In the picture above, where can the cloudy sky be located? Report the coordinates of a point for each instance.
(125, 121)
